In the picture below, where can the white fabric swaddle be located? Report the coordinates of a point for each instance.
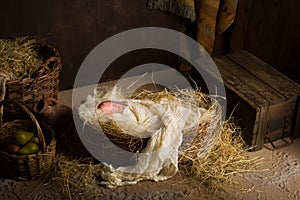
(163, 122)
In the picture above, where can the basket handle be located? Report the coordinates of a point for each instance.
(38, 127)
(43, 67)
(40, 72)
(51, 59)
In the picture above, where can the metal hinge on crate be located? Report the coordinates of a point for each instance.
(285, 134)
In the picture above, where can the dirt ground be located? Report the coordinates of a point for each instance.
(280, 180)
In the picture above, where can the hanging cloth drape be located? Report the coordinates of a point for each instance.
(212, 16)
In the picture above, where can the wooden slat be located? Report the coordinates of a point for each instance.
(270, 30)
(262, 90)
(239, 108)
(255, 25)
(260, 127)
(277, 115)
(269, 95)
(296, 120)
(282, 84)
(252, 108)
(285, 52)
(240, 25)
(235, 84)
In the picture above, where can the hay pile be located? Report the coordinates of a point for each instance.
(227, 159)
(186, 97)
(74, 176)
(19, 57)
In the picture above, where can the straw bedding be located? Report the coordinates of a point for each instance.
(227, 158)
(19, 58)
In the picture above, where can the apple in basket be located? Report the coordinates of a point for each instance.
(11, 149)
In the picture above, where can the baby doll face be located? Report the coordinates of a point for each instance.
(111, 107)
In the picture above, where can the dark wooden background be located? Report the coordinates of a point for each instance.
(75, 27)
(268, 28)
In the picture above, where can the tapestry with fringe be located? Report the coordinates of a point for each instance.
(212, 16)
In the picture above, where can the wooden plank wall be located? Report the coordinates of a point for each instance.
(270, 29)
(75, 27)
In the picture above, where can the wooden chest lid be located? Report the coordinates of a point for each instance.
(254, 80)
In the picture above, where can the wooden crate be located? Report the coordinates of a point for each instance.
(264, 102)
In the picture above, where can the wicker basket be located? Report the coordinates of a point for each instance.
(197, 141)
(201, 139)
(44, 83)
(27, 166)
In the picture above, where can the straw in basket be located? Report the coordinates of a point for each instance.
(43, 83)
